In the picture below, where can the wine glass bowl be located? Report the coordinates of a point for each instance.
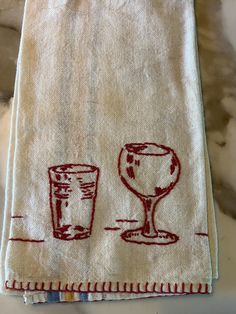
(150, 171)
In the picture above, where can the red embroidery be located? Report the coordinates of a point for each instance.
(112, 228)
(199, 288)
(25, 240)
(73, 188)
(139, 167)
(191, 288)
(131, 286)
(130, 172)
(137, 162)
(138, 287)
(17, 216)
(130, 159)
(173, 165)
(111, 287)
(176, 288)
(201, 234)
(126, 220)
(154, 287)
(161, 289)
(129, 234)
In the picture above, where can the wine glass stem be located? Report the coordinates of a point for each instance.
(149, 229)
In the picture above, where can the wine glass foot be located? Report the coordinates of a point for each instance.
(162, 238)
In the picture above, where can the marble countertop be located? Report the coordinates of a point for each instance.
(218, 70)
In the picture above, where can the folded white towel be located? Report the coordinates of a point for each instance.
(108, 188)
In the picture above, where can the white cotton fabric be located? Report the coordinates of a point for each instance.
(94, 75)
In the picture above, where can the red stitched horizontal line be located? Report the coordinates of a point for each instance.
(61, 184)
(86, 198)
(126, 220)
(86, 190)
(25, 240)
(88, 193)
(87, 185)
(201, 234)
(17, 216)
(108, 288)
(112, 228)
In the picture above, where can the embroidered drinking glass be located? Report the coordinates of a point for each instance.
(73, 191)
(150, 171)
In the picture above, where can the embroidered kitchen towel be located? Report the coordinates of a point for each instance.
(108, 190)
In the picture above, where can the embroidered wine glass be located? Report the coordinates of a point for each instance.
(150, 171)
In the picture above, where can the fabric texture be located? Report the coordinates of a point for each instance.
(108, 188)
